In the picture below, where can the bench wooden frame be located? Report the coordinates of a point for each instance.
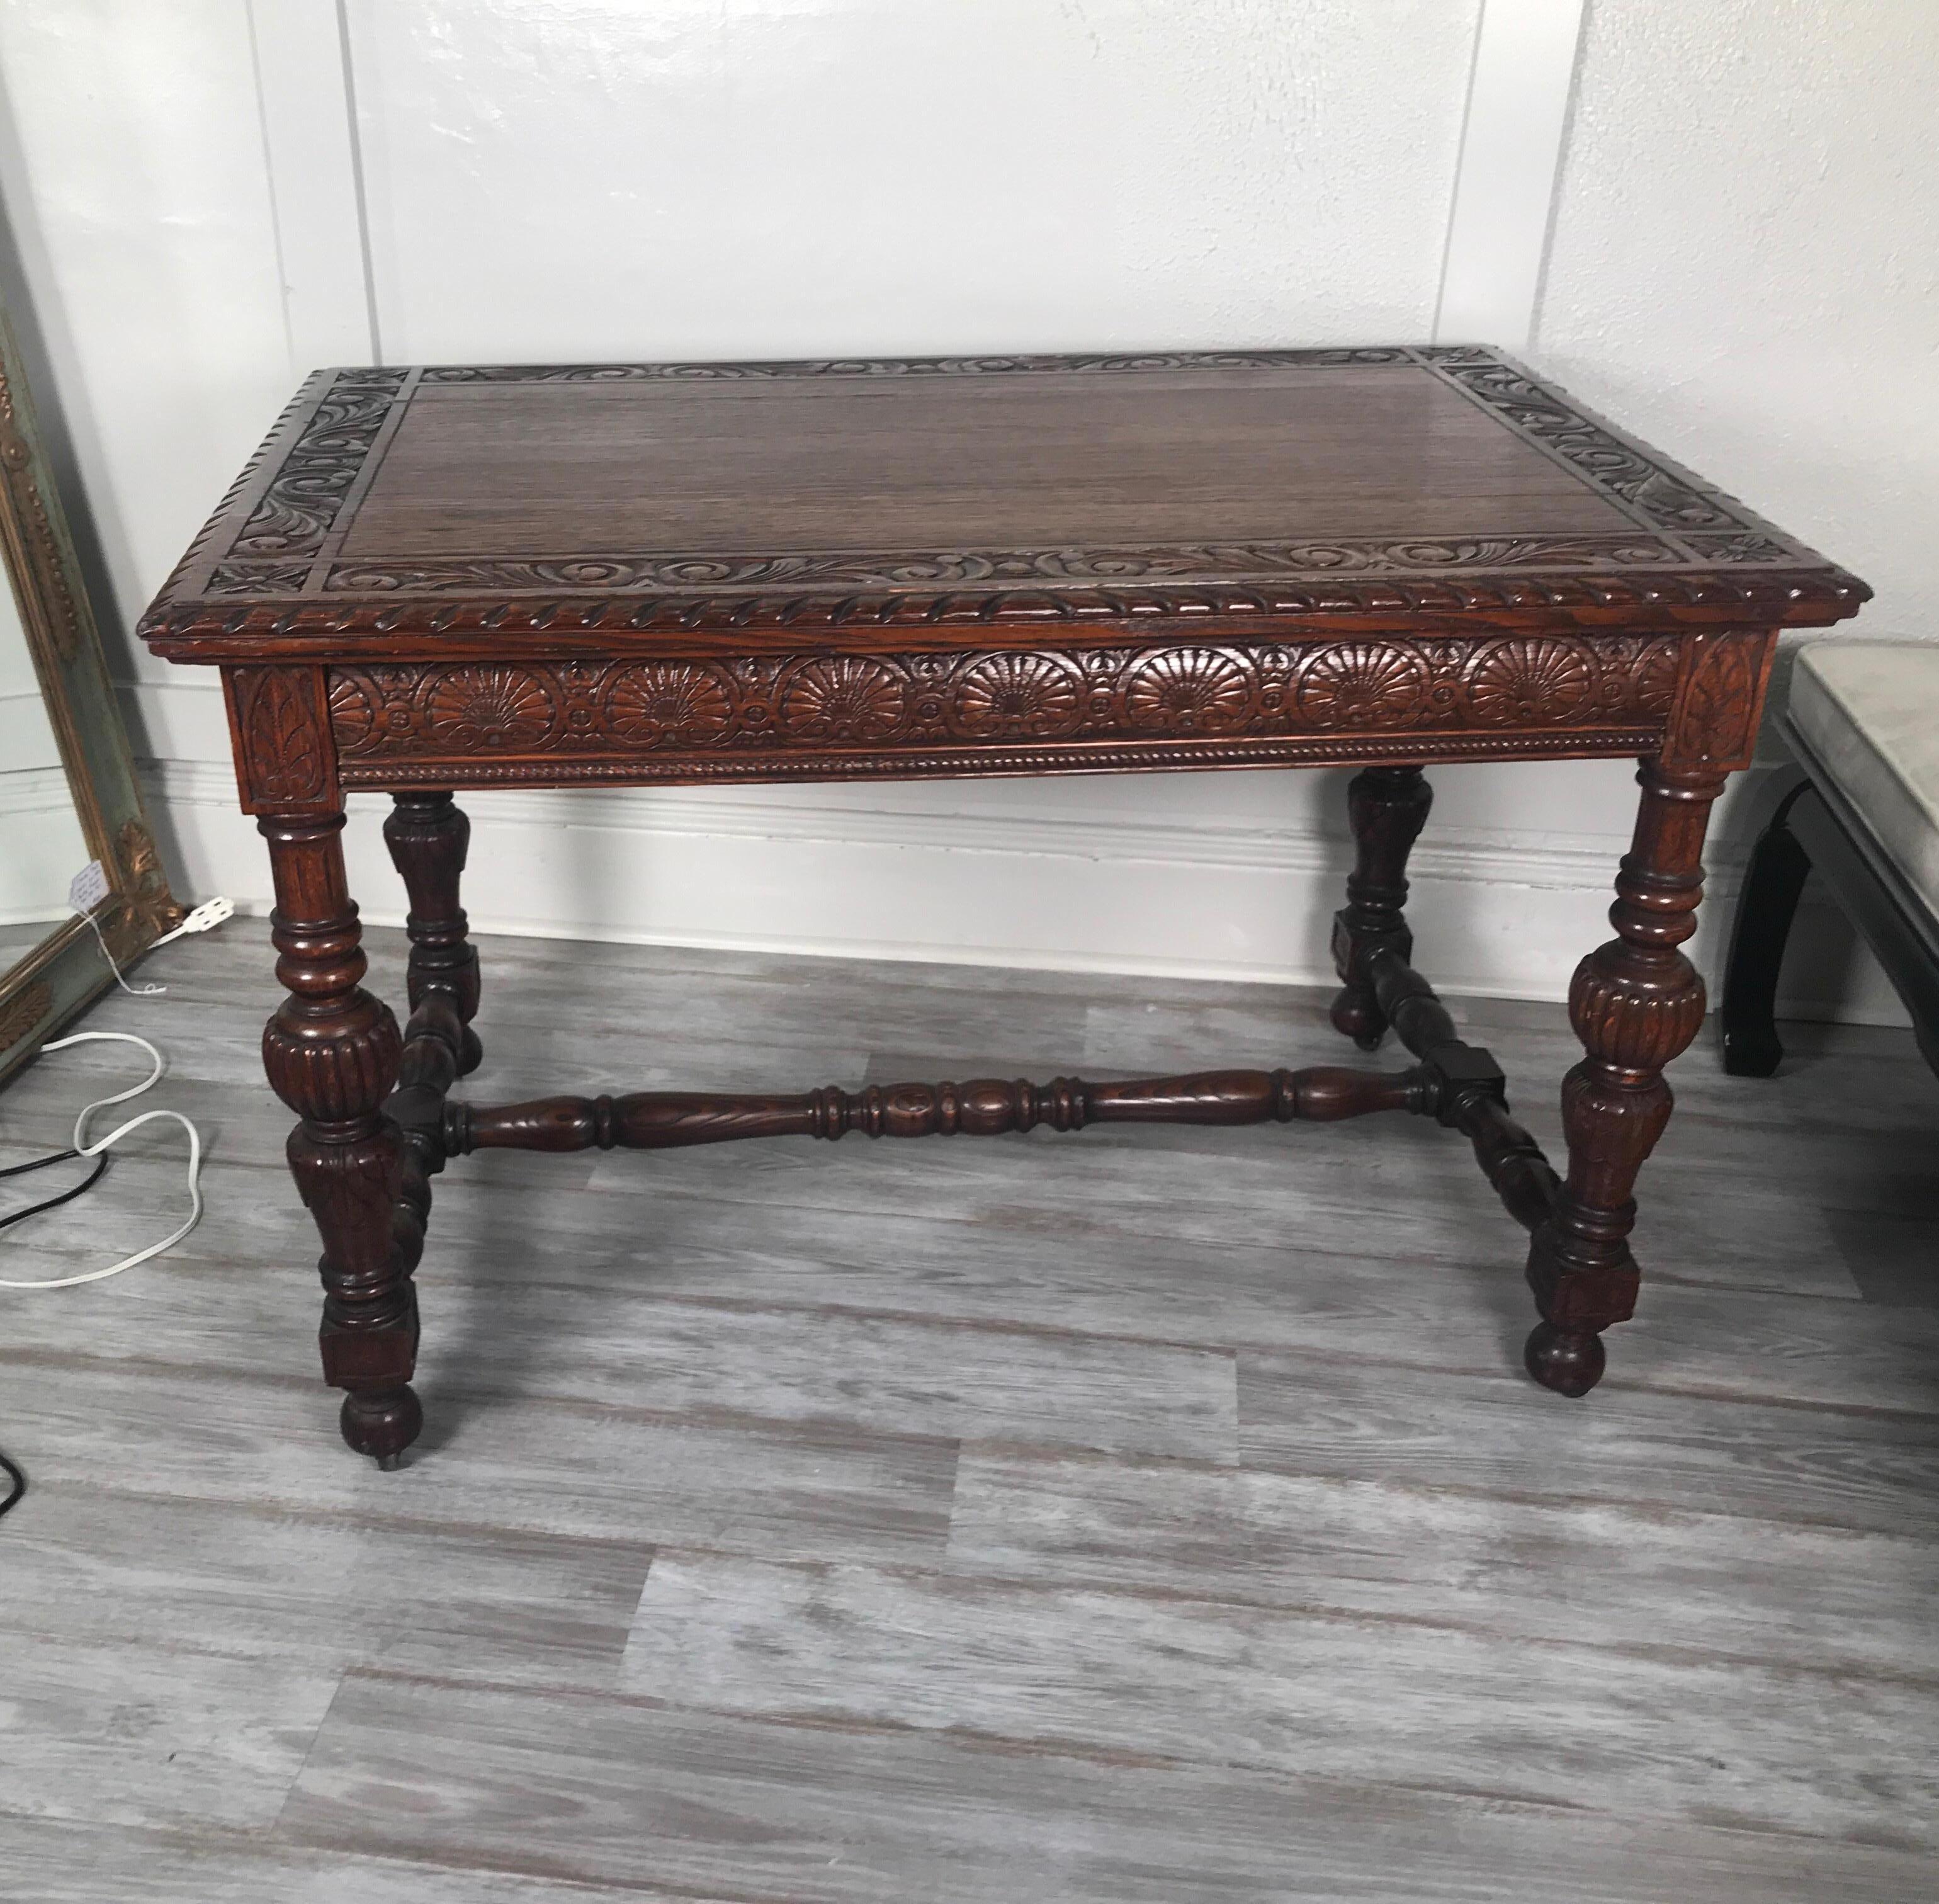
(1814, 825)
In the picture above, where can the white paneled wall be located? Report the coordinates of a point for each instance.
(210, 196)
(41, 845)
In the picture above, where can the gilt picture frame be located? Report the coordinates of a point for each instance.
(66, 972)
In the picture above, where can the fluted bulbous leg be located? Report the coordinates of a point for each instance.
(1386, 808)
(331, 1051)
(1635, 1003)
(428, 835)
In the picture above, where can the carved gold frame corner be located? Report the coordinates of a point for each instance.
(66, 971)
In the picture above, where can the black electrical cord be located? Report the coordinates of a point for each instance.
(17, 1482)
(87, 1182)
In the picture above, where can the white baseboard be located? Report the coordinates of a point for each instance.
(777, 869)
(24, 790)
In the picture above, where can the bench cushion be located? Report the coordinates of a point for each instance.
(1868, 711)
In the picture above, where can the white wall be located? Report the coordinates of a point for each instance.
(210, 196)
(1745, 269)
(41, 844)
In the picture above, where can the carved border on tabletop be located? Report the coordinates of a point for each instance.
(1767, 596)
(902, 569)
(1744, 545)
(460, 710)
(1694, 550)
(1601, 455)
(296, 511)
(903, 366)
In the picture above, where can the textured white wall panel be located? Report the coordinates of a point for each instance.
(1742, 268)
(725, 178)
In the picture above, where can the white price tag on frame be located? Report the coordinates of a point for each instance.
(88, 888)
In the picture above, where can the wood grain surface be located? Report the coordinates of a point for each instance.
(1119, 1518)
(1071, 460)
(1277, 491)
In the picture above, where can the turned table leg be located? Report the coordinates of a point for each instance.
(331, 1051)
(427, 834)
(1386, 808)
(1635, 1003)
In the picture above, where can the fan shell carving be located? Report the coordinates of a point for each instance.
(1188, 691)
(652, 703)
(1529, 682)
(489, 707)
(1614, 692)
(1364, 684)
(846, 699)
(353, 713)
(1017, 697)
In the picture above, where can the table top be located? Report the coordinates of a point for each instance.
(709, 508)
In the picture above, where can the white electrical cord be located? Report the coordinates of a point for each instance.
(132, 991)
(83, 1148)
(211, 913)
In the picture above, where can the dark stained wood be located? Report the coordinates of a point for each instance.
(428, 835)
(1067, 459)
(1386, 808)
(1467, 1091)
(1077, 705)
(986, 1107)
(1635, 1003)
(1290, 489)
(431, 579)
(332, 1052)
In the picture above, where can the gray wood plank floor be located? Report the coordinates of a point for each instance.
(1130, 1518)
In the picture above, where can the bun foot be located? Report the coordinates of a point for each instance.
(1570, 1362)
(383, 1424)
(1357, 1017)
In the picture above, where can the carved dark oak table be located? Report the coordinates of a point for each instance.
(653, 574)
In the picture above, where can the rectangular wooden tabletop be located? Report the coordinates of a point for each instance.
(1293, 487)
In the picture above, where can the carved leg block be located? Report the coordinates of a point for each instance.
(1635, 1003)
(1386, 808)
(332, 1052)
(428, 835)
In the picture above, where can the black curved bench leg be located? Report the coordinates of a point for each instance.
(1765, 909)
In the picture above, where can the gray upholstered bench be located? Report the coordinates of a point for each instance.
(1862, 807)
